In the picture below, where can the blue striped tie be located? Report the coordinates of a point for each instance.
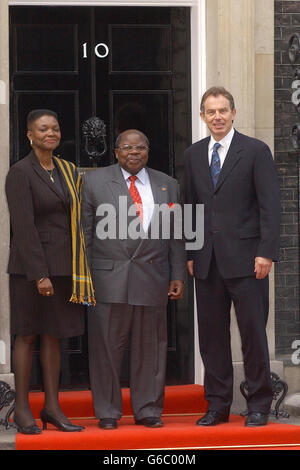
(215, 166)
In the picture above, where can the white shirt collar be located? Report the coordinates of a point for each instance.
(225, 142)
(141, 175)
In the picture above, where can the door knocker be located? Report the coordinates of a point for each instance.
(94, 134)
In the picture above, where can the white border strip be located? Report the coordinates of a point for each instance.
(249, 446)
(198, 66)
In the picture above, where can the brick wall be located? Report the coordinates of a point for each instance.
(287, 322)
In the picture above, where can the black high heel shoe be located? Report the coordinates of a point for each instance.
(47, 418)
(31, 429)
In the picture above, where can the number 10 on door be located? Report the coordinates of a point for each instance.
(101, 50)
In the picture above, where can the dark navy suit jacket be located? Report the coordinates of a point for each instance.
(242, 214)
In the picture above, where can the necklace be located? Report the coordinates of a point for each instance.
(50, 173)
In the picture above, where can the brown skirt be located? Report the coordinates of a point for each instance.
(35, 314)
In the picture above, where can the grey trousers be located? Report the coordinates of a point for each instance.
(109, 326)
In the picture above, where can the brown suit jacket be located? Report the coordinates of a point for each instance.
(40, 220)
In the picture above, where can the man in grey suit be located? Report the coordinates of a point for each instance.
(133, 277)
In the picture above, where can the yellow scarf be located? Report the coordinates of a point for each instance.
(83, 290)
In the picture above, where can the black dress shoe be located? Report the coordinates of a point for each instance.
(108, 423)
(31, 429)
(150, 422)
(66, 427)
(256, 418)
(213, 417)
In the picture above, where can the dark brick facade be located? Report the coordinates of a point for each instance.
(287, 321)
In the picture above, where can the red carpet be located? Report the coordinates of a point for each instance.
(183, 406)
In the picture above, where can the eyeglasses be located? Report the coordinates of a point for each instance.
(139, 148)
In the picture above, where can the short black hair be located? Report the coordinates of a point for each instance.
(37, 113)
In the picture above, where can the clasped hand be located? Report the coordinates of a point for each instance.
(176, 290)
(45, 287)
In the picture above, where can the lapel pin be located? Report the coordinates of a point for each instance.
(164, 188)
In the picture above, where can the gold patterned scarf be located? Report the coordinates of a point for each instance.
(82, 291)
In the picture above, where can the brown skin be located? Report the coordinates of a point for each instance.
(218, 116)
(44, 133)
(133, 161)
(176, 290)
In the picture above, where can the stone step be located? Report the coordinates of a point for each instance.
(292, 404)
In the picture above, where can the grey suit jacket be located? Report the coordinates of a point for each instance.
(136, 272)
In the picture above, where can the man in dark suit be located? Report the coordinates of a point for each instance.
(133, 279)
(234, 177)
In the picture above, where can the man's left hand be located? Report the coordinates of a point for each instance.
(262, 267)
(176, 290)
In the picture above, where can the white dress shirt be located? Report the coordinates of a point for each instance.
(222, 151)
(143, 186)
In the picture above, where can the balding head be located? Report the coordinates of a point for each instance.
(132, 148)
(130, 131)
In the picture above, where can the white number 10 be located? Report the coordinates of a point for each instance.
(96, 50)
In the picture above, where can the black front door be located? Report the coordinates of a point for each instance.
(129, 67)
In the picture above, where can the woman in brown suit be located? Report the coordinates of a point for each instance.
(43, 194)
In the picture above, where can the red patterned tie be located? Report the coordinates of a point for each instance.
(136, 197)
